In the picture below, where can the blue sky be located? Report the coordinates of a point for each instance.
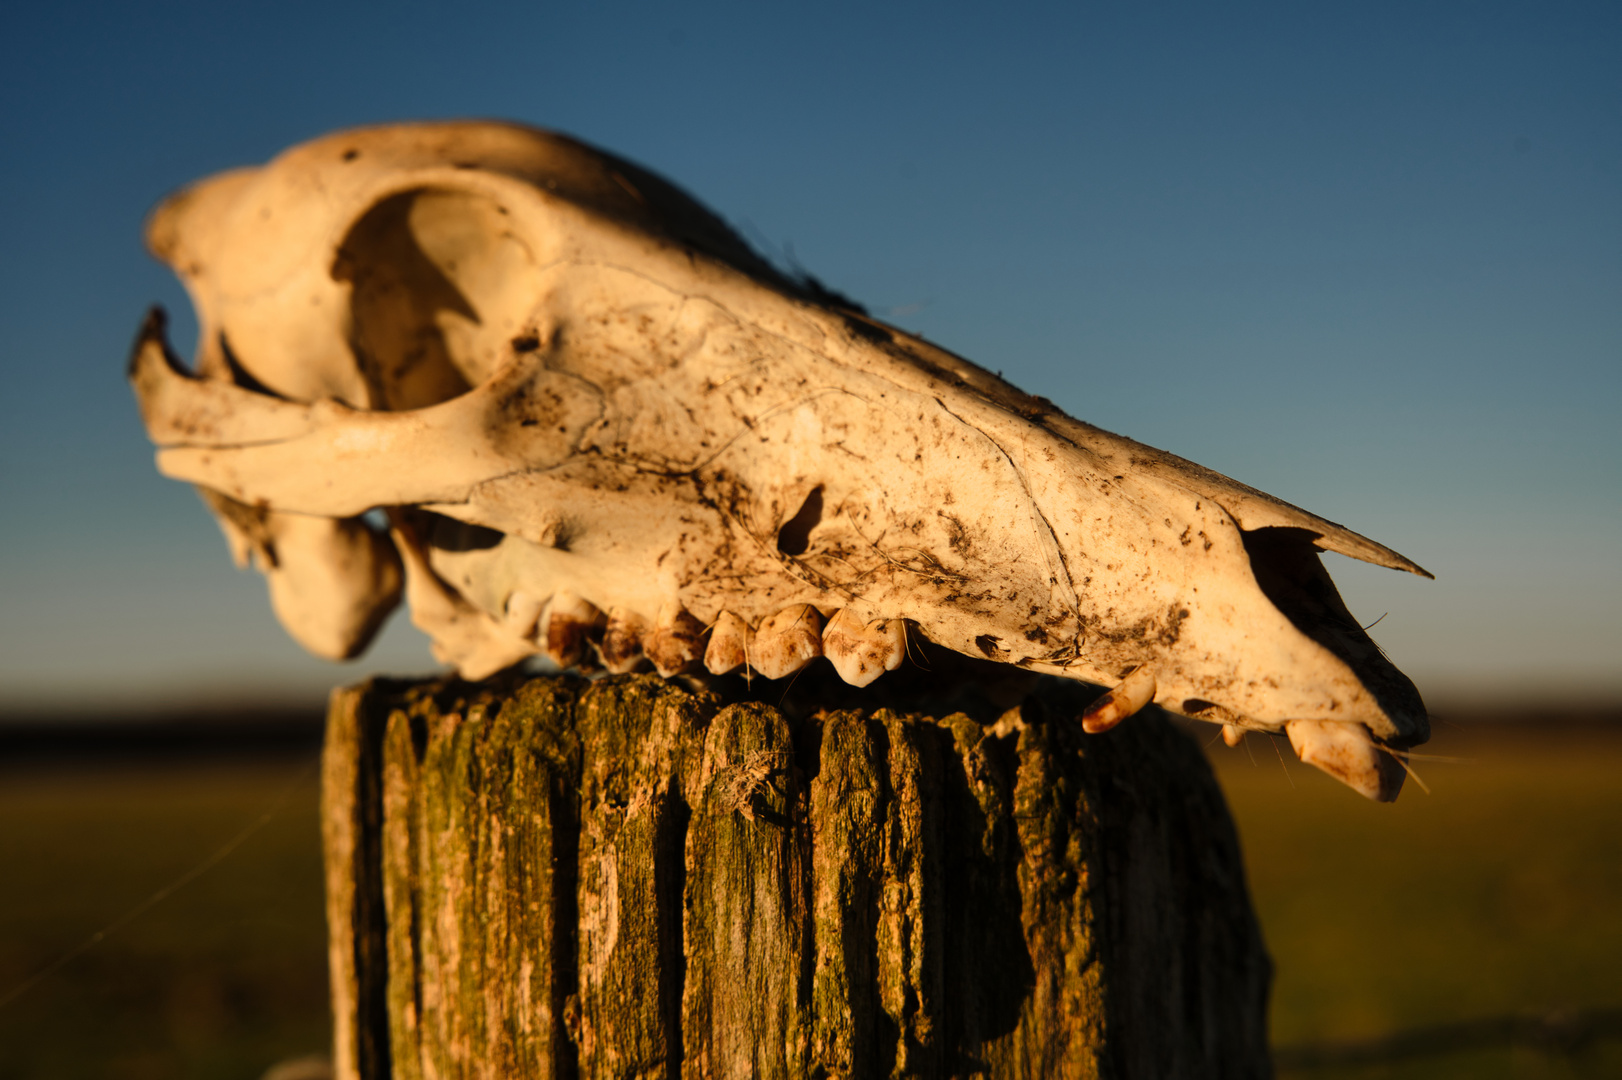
(1367, 259)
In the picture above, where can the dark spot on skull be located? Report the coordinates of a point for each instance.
(526, 343)
(1174, 626)
(991, 646)
(351, 154)
(795, 535)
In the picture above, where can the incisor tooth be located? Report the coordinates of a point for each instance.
(859, 651)
(567, 627)
(787, 641)
(1347, 752)
(1232, 734)
(675, 642)
(1133, 693)
(729, 644)
(621, 647)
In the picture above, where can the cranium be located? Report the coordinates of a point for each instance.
(602, 429)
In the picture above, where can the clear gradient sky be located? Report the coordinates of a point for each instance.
(1365, 257)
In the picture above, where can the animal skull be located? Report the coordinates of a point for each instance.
(602, 429)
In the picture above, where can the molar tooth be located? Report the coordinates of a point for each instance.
(1232, 734)
(1347, 752)
(861, 652)
(675, 642)
(787, 641)
(567, 627)
(621, 647)
(729, 644)
(1130, 695)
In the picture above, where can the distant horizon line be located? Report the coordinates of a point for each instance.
(264, 705)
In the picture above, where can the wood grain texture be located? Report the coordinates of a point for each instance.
(626, 878)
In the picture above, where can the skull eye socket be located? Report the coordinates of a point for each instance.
(438, 287)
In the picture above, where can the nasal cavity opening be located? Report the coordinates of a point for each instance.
(1290, 574)
(795, 535)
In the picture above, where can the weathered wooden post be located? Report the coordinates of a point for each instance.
(629, 878)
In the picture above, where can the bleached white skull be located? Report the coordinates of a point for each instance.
(603, 430)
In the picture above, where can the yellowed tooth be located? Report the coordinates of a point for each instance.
(1132, 694)
(1346, 751)
(567, 627)
(729, 644)
(621, 647)
(861, 652)
(787, 641)
(1233, 734)
(676, 641)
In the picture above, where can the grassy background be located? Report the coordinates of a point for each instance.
(1500, 891)
(221, 979)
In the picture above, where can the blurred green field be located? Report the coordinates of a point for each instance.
(1499, 892)
(222, 979)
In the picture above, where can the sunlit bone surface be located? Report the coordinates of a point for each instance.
(601, 429)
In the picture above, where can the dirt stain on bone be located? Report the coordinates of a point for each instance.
(957, 534)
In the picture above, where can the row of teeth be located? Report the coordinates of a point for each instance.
(575, 633)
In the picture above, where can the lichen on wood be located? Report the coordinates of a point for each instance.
(627, 877)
